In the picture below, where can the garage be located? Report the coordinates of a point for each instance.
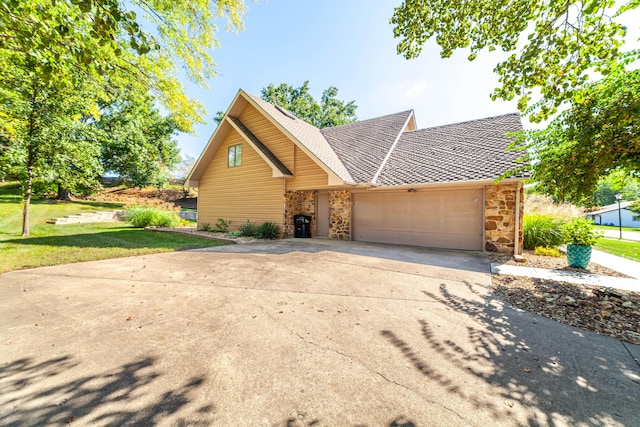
(451, 219)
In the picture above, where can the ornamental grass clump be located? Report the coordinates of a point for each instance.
(542, 230)
(248, 229)
(268, 230)
(147, 216)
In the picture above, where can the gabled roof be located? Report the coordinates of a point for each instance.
(363, 146)
(610, 208)
(384, 151)
(309, 137)
(467, 151)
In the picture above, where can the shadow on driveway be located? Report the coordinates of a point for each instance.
(462, 260)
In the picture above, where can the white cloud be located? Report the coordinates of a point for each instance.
(416, 89)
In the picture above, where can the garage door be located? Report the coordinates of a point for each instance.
(435, 218)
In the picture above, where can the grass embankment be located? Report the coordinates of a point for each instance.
(61, 244)
(623, 248)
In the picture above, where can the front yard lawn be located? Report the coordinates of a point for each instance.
(623, 248)
(62, 244)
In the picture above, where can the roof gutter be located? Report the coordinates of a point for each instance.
(377, 187)
(393, 146)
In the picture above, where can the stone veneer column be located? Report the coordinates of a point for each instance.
(340, 214)
(500, 215)
(298, 203)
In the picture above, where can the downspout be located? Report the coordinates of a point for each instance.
(516, 246)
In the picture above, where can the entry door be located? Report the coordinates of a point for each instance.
(322, 215)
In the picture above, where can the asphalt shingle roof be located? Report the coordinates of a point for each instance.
(362, 146)
(467, 151)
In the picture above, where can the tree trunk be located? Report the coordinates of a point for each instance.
(27, 201)
(63, 193)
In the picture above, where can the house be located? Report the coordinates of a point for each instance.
(377, 180)
(608, 215)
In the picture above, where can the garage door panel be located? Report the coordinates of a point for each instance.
(441, 218)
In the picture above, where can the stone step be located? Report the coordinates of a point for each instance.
(85, 217)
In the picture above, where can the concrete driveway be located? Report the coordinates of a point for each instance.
(297, 333)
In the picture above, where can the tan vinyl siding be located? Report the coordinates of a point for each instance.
(269, 135)
(307, 175)
(238, 194)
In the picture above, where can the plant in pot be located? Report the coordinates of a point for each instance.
(580, 236)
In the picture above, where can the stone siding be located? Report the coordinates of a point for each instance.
(298, 203)
(500, 217)
(340, 215)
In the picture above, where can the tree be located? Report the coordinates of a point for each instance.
(617, 182)
(136, 141)
(598, 133)
(329, 112)
(60, 60)
(566, 41)
(566, 44)
(47, 138)
(107, 37)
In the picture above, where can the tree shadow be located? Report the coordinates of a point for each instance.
(447, 258)
(97, 398)
(123, 237)
(555, 374)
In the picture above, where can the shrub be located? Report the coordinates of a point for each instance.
(248, 229)
(544, 205)
(222, 225)
(543, 251)
(204, 226)
(542, 230)
(268, 230)
(580, 232)
(147, 216)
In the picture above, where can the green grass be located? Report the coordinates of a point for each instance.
(61, 244)
(614, 227)
(623, 248)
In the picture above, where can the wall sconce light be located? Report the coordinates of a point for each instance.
(412, 190)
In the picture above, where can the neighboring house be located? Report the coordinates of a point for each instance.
(608, 215)
(377, 180)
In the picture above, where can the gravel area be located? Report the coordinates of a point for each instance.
(602, 310)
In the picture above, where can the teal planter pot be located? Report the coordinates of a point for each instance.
(578, 255)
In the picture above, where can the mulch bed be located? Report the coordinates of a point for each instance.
(606, 311)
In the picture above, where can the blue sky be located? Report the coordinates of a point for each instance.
(349, 45)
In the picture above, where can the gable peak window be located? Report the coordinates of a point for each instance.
(234, 156)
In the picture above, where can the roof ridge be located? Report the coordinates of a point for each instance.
(368, 120)
(465, 122)
(393, 146)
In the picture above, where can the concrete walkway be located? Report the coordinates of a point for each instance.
(626, 235)
(619, 264)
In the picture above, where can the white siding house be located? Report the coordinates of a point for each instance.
(608, 215)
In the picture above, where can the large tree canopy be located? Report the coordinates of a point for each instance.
(136, 141)
(566, 41)
(137, 40)
(60, 61)
(556, 50)
(597, 134)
